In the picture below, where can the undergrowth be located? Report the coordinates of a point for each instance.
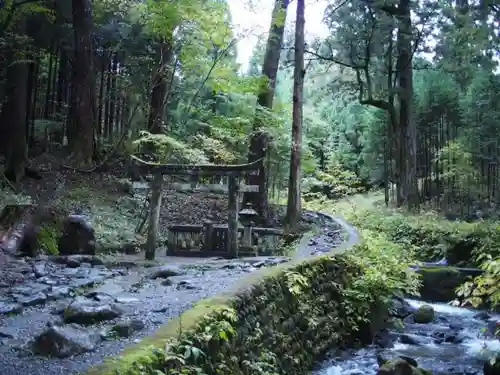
(429, 237)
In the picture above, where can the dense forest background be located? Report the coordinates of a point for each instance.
(401, 94)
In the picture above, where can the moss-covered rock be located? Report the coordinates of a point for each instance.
(424, 314)
(277, 321)
(399, 366)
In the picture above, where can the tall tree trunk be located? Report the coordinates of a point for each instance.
(113, 98)
(406, 120)
(30, 90)
(13, 115)
(293, 204)
(84, 83)
(108, 96)
(159, 90)
(48, 88)
(101, 99)
(259, 139)
(159, 98)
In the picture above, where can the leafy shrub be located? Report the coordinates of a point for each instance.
(166, 149)
(47, 239)
(334, 182)
(385, 264)
(484, 289)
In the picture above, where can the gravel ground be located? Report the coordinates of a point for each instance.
(153, 301)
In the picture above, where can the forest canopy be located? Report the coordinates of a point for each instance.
(400, 94)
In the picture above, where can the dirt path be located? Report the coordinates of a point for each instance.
(138, 299)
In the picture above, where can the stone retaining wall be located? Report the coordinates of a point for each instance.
(277, 321)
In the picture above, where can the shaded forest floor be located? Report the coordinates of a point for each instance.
(113, 210)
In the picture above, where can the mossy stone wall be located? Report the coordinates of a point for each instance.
(278, 321)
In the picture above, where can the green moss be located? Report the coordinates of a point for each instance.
(47, 238)
(439, 269)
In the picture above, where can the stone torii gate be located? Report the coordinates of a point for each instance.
(234, 174)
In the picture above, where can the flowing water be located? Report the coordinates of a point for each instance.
(457, 342)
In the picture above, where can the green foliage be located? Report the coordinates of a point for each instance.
(386, 271)
(334, 182)
(47, 239)
(459, 174)
(427, 234)
(484, 289)
(165, 148)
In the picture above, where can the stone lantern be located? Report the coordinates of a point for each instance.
(246, 217)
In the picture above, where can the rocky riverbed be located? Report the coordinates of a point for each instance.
(439, 338)
(59, 315)
(77, 306)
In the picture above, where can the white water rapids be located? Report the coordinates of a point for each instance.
(457, 342)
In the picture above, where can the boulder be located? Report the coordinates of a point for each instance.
(400, 366)
(128, 328)
(424, 314)
(400, 308)
(162, 272)
(83, 311)
(64, 341)
(387, 356)
(78, 237)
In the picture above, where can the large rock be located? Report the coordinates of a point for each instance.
(163, 272)
(65, 341)
(400, 308)
(84, 311)
(388, 356)
(128, 328)
(424, 314)
(78, 237)
(399, 366)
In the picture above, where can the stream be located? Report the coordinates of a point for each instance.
(458, 341)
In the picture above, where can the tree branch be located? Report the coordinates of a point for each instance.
(333, 59)
(12, 10)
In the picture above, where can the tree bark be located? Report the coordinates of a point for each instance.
(407, 123)
(154, 216)
(160, 87)
(293, 204)
(259, 140)
(155, 125)
(13, 115)
(83, 83)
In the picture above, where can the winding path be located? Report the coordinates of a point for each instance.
(152, 300)
(353, 237)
